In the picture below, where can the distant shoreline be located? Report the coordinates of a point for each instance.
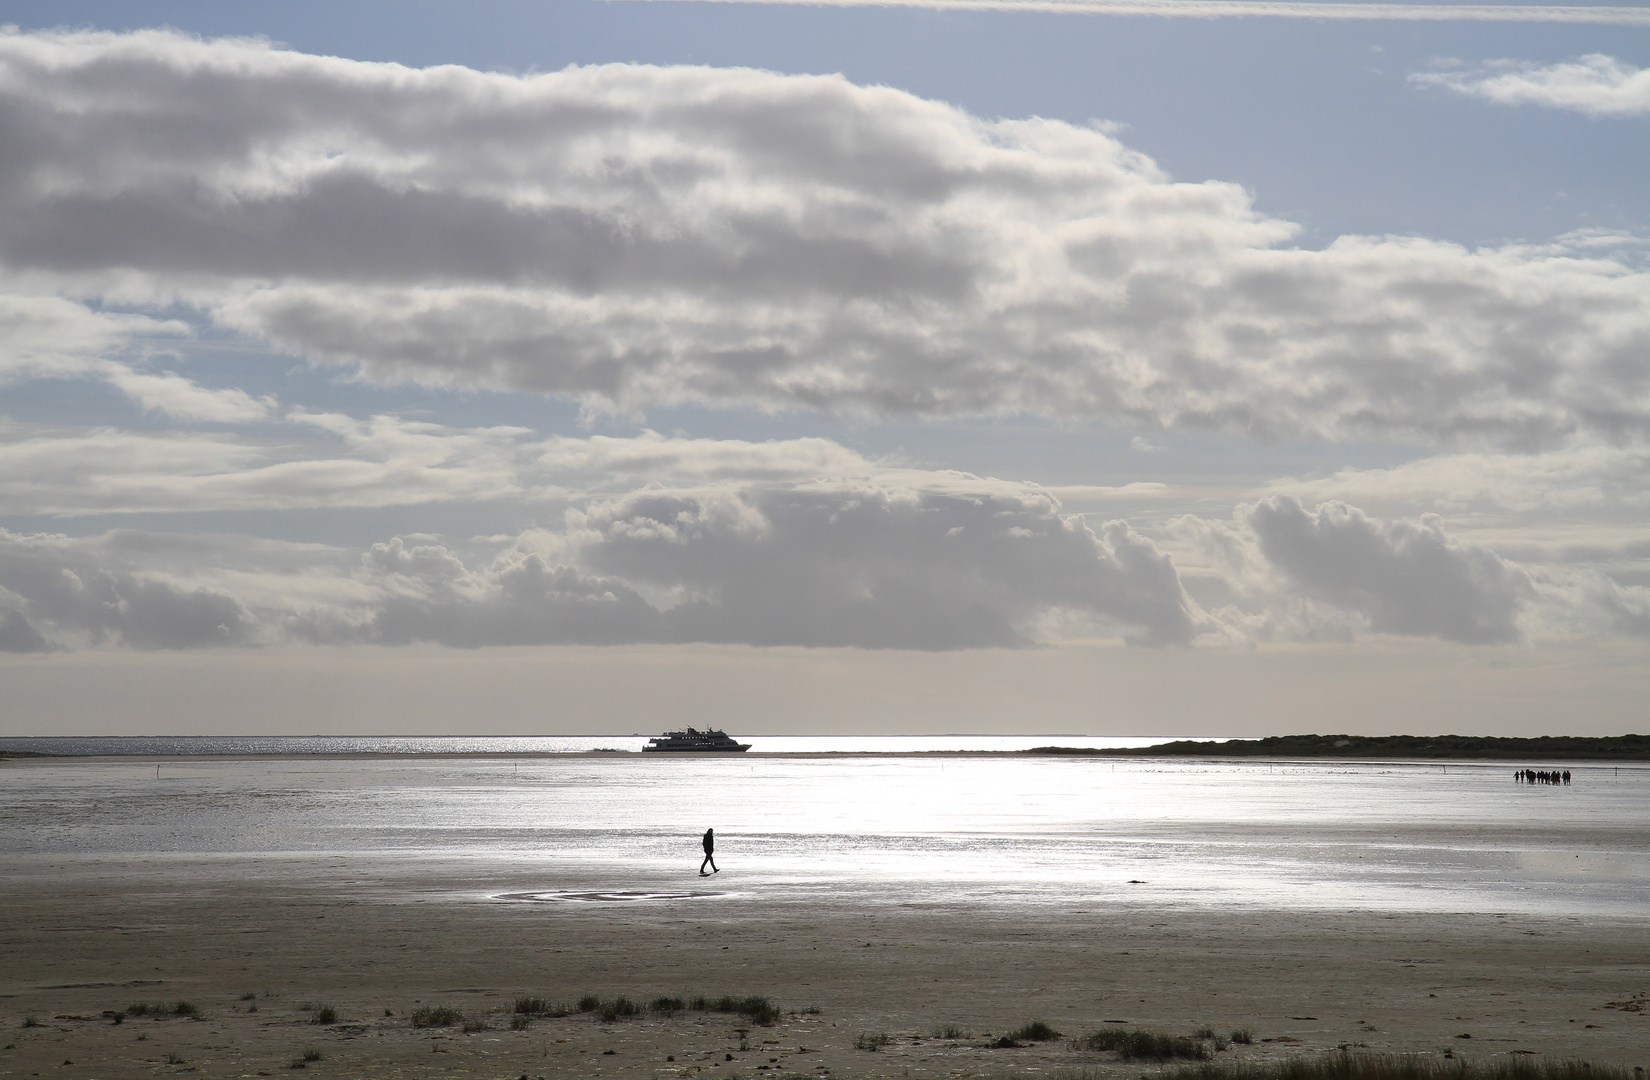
(1431, 747)
(1309, 747)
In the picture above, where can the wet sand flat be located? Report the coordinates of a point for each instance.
(378, 937)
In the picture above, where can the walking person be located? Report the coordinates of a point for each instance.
(710, 854)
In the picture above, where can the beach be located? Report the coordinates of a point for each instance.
(98, 918)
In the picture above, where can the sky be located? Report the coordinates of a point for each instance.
(1144, 367)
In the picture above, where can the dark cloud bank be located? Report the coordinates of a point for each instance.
(810, 565)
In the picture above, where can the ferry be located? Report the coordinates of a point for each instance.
(690, 739)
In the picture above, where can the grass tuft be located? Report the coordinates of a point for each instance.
(1134, 1045)
(476, 1023)
(758, 1010)
(1036, 1031)
(610, 1009)
(1353, 1066)
(323, 1014)
(1243, 1036)
(436, 1016)
(162, 1008)
(948, 1031)
(872, 1040)
(519, 1021)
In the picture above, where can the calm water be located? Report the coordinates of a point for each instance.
(174, 745)
(893, 828)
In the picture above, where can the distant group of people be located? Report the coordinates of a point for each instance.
(1539, 776)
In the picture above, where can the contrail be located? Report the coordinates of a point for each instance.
(1216, 9)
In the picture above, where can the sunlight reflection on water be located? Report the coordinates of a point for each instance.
(1401, 836)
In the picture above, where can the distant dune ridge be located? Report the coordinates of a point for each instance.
(1568, 747)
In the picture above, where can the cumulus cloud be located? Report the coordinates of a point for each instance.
(631, 236)
(881, 563)
(815, 564)
(1278, 570)
(1403, 577)
(78, 589)
(870, 565)
(1595, 84)
(866, 565)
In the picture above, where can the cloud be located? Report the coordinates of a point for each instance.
(520, 600)
(1595, 84)
(1284, 9)
(872, 565)
(50, 337)
(635, 236)
(1570, 485)
(863, 565)
(17, 636)
(183, 399)
(1400, 577)
(329, 460)
(889, 562)
(71, 587)
(675, 459)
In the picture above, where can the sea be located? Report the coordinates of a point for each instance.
(897, 820)
(535, 744)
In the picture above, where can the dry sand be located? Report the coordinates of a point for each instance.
(378, 938)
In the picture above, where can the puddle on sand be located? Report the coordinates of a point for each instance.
(603, 897)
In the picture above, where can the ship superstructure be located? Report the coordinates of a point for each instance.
(693, 740)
